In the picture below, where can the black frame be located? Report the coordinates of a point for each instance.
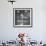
(31, 10)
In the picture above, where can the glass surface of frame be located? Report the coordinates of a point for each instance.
(22, 17)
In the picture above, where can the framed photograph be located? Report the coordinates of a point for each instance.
(22, 17)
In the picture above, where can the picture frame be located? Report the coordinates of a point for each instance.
(22, 17)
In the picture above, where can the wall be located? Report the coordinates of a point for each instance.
(37, 32)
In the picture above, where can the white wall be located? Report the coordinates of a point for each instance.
(37, 32)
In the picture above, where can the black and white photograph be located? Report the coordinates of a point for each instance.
(22, 17)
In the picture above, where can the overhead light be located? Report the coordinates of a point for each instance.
(12, 1)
